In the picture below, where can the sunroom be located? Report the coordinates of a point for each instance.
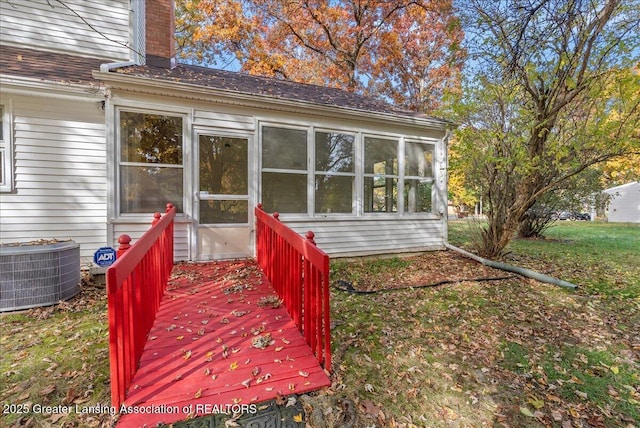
(365, 177)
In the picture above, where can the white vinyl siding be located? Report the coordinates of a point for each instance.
(60, 174)
(222, 122)
(366, 236)
(92, 28)
(181, 233)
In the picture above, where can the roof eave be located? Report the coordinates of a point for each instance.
(30, 86)
(253, 100)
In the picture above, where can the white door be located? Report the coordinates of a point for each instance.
(222, 202)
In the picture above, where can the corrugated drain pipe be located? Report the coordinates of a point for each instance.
(515, 269)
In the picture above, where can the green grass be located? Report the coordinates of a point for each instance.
(604, 258)
(503, 353)
(56, 356)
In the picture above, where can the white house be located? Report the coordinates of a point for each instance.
(101, 127)
(624, 205)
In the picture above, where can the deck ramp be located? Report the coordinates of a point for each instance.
(220, 343)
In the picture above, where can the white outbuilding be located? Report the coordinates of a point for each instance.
(624, 205)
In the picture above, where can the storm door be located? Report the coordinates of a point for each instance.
(222, 199)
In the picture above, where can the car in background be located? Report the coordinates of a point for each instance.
(573, 215)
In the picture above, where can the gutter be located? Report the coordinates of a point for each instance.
(515, 269)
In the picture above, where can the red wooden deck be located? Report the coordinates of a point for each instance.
(216, 346)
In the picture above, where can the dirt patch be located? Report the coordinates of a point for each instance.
(424, 270)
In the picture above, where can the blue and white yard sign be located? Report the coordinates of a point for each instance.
(104, 256)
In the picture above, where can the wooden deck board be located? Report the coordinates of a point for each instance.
(200, 349)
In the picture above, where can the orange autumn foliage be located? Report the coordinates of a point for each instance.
(407, 52)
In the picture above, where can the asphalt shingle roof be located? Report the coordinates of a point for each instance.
(265, 86)
(69, 69)
(47, 66)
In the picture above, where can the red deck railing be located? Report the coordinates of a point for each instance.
(299, 272)
(135, 285)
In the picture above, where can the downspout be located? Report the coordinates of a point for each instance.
(515, 269)
(106, 68)
(111, 156)
(445, 186)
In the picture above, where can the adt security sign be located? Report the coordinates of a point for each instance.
(104, 256)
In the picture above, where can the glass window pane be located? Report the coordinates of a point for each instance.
(334, 152)
(419, 160)
(224, 212)
(380, 156)
(417, 196)
(284, 193)
(223, 165)
(334, 194)
(284, 148)
(380, 194)
(151, 138)
(148, 189)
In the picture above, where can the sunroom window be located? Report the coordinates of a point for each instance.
(380, 175)
(151, 162)
(334, 172)
(418, 180)
(284, 169)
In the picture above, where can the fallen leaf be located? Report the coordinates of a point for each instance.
(368, 408)
(581, 394)
(525, 411)
(233, 366)
(536, 402)
(297, 418)
(48, 389)
(198, 394)
(56, 417)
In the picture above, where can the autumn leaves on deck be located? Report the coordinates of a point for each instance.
(221, 337)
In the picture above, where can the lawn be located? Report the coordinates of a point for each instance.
(510, 352)
(429, 340)
(56, 359)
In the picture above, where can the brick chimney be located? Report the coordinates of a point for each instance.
(159, 33)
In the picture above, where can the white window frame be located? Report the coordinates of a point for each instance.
(359, 175)
(314, 172)
(198, 131)
(6, 149)
(430, 179)
(398, 140)
(309, 131)
(186, 125)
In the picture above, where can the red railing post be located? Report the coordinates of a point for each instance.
(124, 242)
(299, 273)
